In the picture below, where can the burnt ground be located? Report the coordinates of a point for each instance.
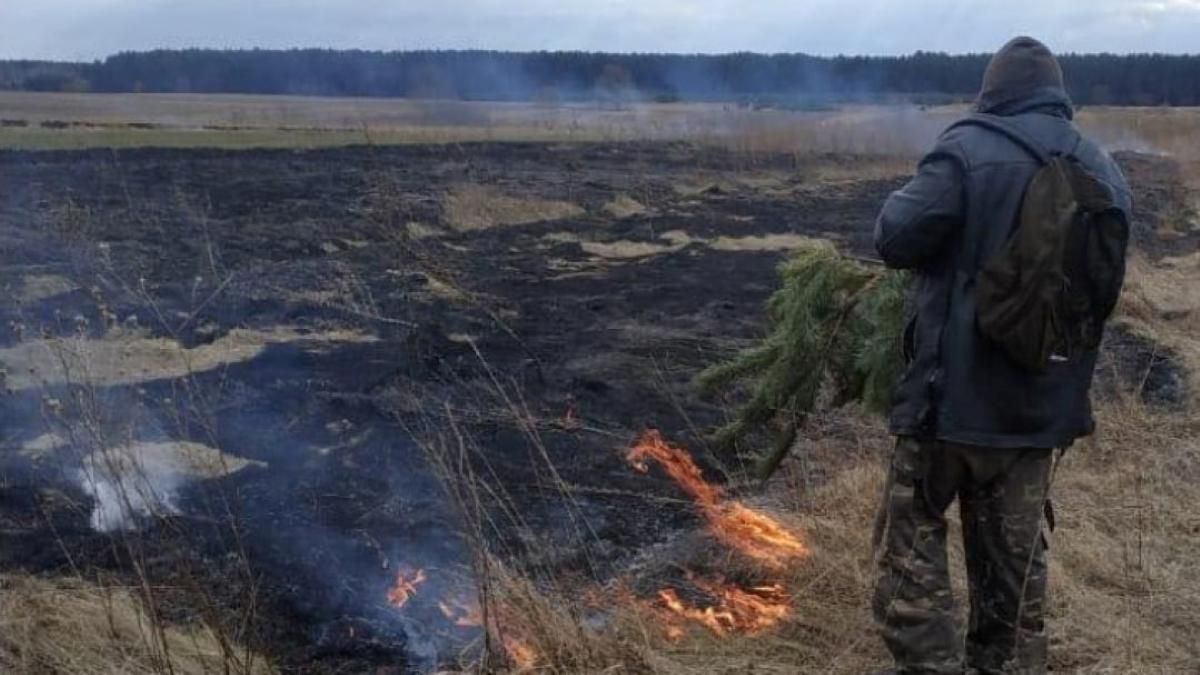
(548, 343)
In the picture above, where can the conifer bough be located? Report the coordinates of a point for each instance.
(837, 326)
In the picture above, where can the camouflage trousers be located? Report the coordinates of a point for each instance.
(1002, 495)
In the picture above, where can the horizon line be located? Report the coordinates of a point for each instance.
(483, 50)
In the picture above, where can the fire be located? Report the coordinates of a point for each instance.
(756, 535)
(522, 654)
(466, 613)
(405, 587)
(736, 610)
(740, 527)
(731, 609)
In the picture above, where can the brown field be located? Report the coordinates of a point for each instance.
(76, 121)
(278, 354)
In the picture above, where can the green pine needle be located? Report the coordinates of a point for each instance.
(836, 323)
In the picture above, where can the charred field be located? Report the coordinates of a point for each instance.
(325, 371)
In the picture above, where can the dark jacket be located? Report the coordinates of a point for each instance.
(952, 217)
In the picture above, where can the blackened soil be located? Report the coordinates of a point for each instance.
(1165, 219)
(517, 347)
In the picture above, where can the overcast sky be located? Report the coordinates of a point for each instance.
(88, 29)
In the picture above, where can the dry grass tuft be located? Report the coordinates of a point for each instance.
(125, 356)
(624, 206)
(470, 208)
(1156, 303)
(67, 627)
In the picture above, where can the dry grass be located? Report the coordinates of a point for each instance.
(624, 206)
(1158, 304)
(69, 627)
(1169, 131)
(236, 121)
(1125, 588)
(470, 208)
(675, 240)
(1125, 592)
(129, 356)
(122, 137)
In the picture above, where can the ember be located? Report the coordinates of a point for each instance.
(405, 587)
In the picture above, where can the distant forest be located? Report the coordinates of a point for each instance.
(780, 79)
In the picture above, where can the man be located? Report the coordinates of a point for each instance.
(971, 424)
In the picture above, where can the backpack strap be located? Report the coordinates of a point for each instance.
(1012, 131)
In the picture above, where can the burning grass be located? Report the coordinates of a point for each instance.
(405, 587)
(737, 610)
(751, 533)
(1124, 594)
(1124, 591)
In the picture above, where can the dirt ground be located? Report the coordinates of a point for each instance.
(328, 319)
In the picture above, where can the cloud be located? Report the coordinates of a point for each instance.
(86, 29)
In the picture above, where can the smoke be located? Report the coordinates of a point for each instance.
(144, 479)
(1116, 132)
(128, 483)
(1130, 141)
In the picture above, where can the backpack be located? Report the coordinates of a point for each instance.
(1045, 296)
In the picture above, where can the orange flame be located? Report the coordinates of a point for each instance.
(405, 587)
(754, 534)
(466, 613)
(522, 654)
(737, 610)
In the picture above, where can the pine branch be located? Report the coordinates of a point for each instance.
(835, 320)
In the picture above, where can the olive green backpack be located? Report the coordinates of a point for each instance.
(1045, 296)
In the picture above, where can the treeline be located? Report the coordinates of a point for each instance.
(43, 76)
(1140, 79)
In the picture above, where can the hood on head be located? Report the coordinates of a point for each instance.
(1022, 76)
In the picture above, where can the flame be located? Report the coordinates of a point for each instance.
(405, 587)
(466, 613)
(756, 535)
(733, 608)
(740, 527)
(737, 610)
(521, 653)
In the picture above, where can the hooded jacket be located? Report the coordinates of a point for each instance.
(950, 219)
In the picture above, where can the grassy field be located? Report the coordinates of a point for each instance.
(71, 121)
(35, 121)
(593, 257)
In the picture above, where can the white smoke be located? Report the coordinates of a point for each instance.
(128, 483)
(144, 479)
